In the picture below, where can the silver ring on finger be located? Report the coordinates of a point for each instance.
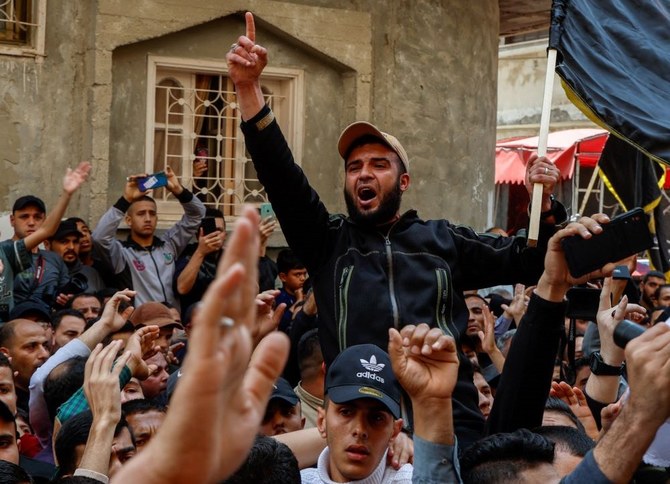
(226, 322)
(233, 47)
(546, 170)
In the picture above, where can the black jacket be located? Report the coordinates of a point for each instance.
(366, 281)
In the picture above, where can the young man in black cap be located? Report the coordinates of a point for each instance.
(362, 410)
(283, 413)
(45, 273)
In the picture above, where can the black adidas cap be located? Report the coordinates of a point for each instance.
(363, 371)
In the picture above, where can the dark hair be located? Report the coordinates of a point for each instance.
(58, 317)
(657, 293)
(214, 212)
(309, 351)
(6, 414)
(7, 333)
(141, 406)
(649, 274)
(13, 474)
(62, 382)
(76, 480)
(4, 361)
(143, 198)
(75, 432)
(268, 462)
(287, 260)
(474, 294)
(500, 458)
(567, 438)
(555, 404)
(85, 294)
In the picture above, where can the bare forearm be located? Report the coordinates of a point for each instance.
(603, 389)
(188, 276)
(620, 451)
(50, 224)
(250, 99)
(306, 445)
(99, 446)
(95, 334)
(433, 421)
(497, 358)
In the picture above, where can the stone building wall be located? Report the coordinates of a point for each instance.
(423, 70)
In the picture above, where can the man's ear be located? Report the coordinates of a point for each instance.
(11, 219)
(47, 244)
(5, 351)
(404, 182)
(127, 219)
(321, 422)
(397, 427)
(282, 276)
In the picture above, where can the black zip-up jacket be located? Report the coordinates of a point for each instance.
(366, 281)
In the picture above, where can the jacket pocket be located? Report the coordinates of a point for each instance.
(343, 301)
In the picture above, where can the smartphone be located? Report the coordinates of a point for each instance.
(153, 181)
(208, 225)
(267, 211)
(625, 235)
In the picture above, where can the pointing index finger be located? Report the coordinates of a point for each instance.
(251, 26)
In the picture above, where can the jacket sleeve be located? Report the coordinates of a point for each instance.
(301, 214)
(526, 379)
(488, 260)
(180, 234)
(105, 234)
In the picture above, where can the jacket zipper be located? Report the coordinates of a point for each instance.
(394, 301)
(442, 301)
(343, 290)
(158, 274)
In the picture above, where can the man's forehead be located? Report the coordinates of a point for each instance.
(6, 375)
(29, 210)
(84, 301)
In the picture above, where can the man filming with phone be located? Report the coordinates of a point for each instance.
(150, 259)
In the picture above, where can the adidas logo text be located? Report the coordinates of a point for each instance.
(370, 376)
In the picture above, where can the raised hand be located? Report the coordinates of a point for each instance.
(172, 181)
(111, 317)
(141, 346)
(73, 179)
(246, 59)
(424, 361)
(517, 308)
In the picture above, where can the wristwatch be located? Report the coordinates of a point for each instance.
(599, 367)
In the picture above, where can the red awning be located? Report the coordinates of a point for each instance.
(512, 154)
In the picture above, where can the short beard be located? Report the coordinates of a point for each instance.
(387, 210)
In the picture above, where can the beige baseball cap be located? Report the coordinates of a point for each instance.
(361, 128)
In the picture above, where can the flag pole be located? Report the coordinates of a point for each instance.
(536, 202)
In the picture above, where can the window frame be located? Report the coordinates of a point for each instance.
(291, 119)
(35, 44)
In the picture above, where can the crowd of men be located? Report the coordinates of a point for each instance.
(380, 347)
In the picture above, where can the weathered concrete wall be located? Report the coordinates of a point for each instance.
(434, 87)
(521, 75)
(210, 41)
(43, 109)
(423, 70)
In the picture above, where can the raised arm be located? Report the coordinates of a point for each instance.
(222, 394)
(72, 180)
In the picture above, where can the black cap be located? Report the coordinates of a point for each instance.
(282, 389)
(65, 228)
(363, 371)
(31, 306)
(23, 202)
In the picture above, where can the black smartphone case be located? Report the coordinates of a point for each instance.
(625, 235)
